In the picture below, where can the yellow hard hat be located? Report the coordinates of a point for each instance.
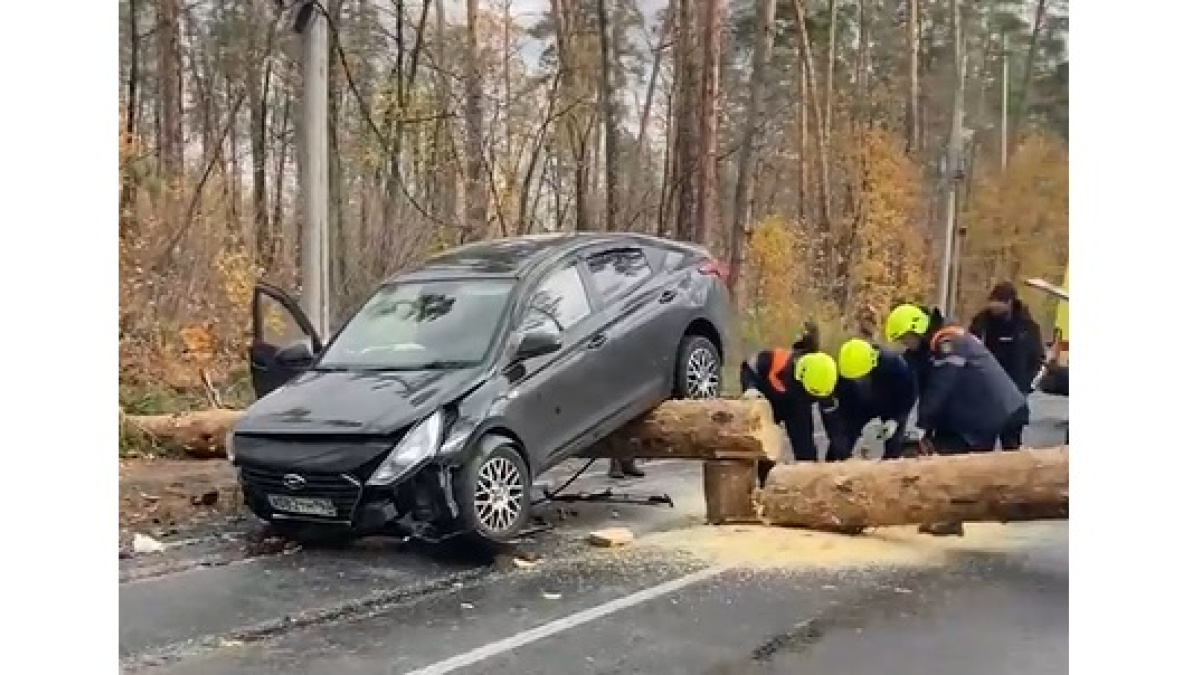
(906, 319)
(817, 373)
(857, 358)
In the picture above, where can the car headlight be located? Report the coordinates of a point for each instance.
(419, 444)
(229, 453)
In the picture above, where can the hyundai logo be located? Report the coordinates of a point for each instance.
(292, 481)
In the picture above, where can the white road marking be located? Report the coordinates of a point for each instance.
(523, 638)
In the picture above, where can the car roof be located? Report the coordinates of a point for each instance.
(515, 256)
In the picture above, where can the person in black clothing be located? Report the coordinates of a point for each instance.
(873, 384)
(1014, 338)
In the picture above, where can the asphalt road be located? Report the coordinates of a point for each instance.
(383, 609)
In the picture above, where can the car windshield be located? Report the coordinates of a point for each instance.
(424, 325)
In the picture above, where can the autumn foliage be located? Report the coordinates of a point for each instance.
(459, 134)
(1016, 224)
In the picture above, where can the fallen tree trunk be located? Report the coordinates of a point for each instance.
(850, 496)
(710, 429)
(198, 434)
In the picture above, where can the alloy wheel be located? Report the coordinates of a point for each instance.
(703, 374)
(499, 492)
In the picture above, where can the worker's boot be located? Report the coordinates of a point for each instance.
(764, 469)
(614, 469)
(629, 467)
(943, 529)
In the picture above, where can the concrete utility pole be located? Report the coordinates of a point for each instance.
(953, 162)
(313, 160)
(1003, 102)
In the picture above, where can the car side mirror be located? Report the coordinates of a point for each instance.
(536, 344)
(297, 355)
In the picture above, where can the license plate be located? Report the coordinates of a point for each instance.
(308, 506)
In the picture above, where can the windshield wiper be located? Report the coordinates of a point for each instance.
(444, 364)
(441, 364)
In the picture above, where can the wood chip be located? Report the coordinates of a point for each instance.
(610, 537)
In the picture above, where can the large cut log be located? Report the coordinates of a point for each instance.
(710, 429)
(198, 434)
(851, 496)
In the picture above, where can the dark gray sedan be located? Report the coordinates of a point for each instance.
(430, 412)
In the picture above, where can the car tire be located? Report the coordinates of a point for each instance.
(697, 358)
(496, 465)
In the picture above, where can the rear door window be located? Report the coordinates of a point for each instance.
(617, 271)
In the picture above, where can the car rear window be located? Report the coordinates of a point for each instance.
(615, 272)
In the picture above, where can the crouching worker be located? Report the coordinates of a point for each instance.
(792, 382)
(874, 384)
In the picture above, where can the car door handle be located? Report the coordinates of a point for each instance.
(668, 296)
(596, 340)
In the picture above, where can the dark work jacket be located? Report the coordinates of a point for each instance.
(888, 392)
(1015, 341)
(966, 392)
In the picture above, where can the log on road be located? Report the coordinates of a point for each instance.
(851, 496)
(199, 434)
(710, 429)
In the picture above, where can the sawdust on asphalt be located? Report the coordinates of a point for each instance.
(760, 546)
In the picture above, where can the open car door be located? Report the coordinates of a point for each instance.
(1054, 376)
(283, 343)
(1043, 285)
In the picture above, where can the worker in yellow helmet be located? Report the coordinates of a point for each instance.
(874, 384)
(966, 398)
(792, 381)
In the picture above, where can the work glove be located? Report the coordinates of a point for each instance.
(751, 394)
(886, 430)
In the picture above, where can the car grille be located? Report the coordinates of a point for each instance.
(344, 491)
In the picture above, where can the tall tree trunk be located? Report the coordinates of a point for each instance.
(764, 37)
(259, 93)
(1039, 20)
(170, 78)
(822, 257)
(610, 118)
(709, 206)
(477, 189)
(913, 103)
(830, 69)
(640, 160)
(804, 91)
(685, 109)
(128, 185)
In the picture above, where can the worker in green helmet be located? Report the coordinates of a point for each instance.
(874, 385)
(793, 382)
(966, 397)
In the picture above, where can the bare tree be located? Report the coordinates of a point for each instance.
(170, 68)
(764, 38)
(708, 206)
(913, 102)
(477, 187)
(609, 107)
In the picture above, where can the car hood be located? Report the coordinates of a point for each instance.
(368, 403)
